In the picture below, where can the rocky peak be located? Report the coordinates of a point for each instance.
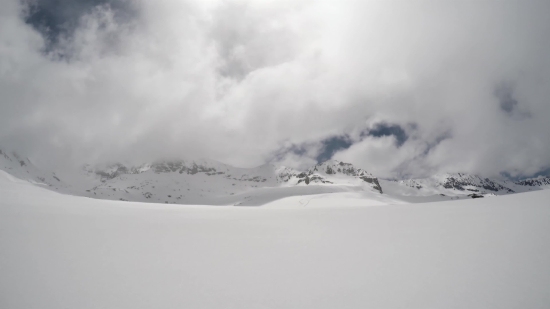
(459, 182)
(534, 182)
(462, 182)
(333, 167)
(321, 173)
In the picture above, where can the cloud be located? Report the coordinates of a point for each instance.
(385, 129)
(505, 95)
(331, 145)
(242, 81)
(57, 20)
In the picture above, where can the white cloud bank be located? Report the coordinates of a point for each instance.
(238, 81)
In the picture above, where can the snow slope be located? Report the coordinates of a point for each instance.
(61, 251)
(22, 168)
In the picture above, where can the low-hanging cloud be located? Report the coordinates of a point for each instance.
(241, 81)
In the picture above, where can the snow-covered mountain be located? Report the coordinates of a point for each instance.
(191, 181)
(456, 185)
(23, 168)
(541, 182)
(215, 183)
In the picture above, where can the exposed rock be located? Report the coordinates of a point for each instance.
(475, 195)
(535, 182)
(374, 181)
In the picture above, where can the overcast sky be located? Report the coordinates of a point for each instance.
(400, 88)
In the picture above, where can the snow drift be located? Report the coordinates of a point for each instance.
(60, 251)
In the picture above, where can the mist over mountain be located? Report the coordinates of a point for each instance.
(208, 182)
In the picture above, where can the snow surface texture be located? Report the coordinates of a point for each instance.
(61, 251)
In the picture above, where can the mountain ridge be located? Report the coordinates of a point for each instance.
(203, 181)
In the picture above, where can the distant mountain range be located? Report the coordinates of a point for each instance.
(213, 183)
(459, 184)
